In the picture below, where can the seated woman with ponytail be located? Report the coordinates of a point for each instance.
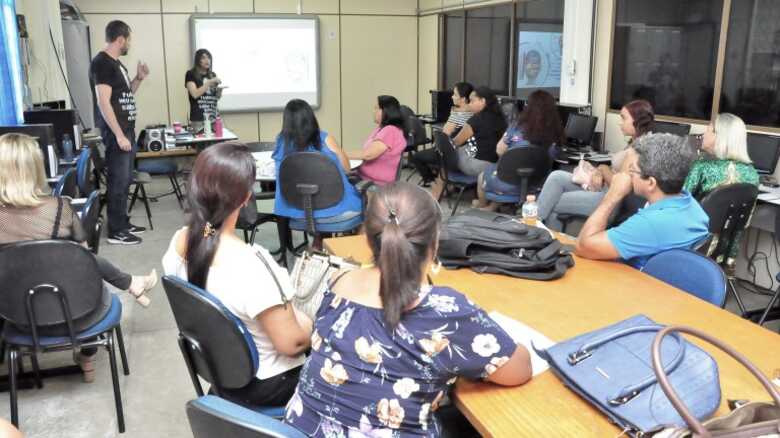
(208, 254)
(387, 345)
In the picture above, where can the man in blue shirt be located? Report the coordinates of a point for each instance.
(658, 166)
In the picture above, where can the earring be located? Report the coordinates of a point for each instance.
(435, 268)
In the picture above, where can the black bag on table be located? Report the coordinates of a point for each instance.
(496, 243)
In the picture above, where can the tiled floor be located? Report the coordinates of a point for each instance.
(155, 392)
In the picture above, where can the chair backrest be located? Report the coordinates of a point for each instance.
(527, 166)
(48, 283)
(701, 277)
(413, 127)
(248, 214)
(84, 177)
(98, 164)
(90, 220)
(310, 181)
(215, 343)
(447, 153)
(729, 208)
(212, 416)
(67, 184)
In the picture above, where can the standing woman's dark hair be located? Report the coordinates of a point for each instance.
(391, 112)
(200, 53)
(644, 116)
(464, 90)
(299, 127)
(540, 121)
(491, 101)
(402, 227)
(221, 181)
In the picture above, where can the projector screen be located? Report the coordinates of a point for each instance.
(539, 62)
(263, 61)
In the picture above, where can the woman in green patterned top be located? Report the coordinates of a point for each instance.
(724, 161)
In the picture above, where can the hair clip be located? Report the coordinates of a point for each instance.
(392, 215)
(208, 230)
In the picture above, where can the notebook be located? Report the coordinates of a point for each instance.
(522, 334)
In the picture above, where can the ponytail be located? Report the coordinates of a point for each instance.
(202, 243)
(400, 275)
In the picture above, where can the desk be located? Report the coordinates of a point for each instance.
(266, 168)
(590, 296)
(191, 146)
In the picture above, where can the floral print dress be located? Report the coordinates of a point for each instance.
(363, 380)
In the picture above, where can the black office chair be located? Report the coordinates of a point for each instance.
(54, 300)
(415, 134)
(85, 178)
(212, 416)
(67, 185)
(91, 222)
(249, 218)
(310, 181)
(524, 168)
(729, 208)
(627, 208)
(450, 172)
(216, 345)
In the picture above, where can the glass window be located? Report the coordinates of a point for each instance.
(665, 51)
(751, 73)
(539, 34)
(487, 47)
(454, 30)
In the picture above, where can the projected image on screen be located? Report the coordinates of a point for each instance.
(263, 61)
(539, 59)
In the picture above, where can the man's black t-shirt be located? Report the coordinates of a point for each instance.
(206, 103)
(106, 70)
(488, 129)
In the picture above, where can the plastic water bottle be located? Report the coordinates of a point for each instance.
(530, 210)
(207, 124)
(218, 127)
(67, 148)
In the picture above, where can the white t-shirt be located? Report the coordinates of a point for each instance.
(246, 289)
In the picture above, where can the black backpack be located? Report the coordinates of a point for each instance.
(496, 243)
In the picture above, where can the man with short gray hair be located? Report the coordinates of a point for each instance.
(672, 219)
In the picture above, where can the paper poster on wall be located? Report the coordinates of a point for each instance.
(539, 59)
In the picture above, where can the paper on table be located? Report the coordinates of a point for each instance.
(522, 334)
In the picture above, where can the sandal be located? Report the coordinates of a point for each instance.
(148, 283)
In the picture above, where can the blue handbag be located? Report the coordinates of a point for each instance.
(612, 368)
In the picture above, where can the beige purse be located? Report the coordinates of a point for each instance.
(310, 276)
(751, 420)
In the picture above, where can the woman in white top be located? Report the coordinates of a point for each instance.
(427, 160)
(208, 254)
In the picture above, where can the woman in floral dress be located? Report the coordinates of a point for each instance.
(387, 346)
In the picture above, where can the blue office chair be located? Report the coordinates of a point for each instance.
(84, 176)
(701, 276)
(449, 170)
(212, 416)
(216, 345)
(310, 181)
(54, 300)
(521, 168)
(67, 185)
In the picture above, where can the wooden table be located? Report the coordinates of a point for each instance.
(590, 296)
(189, 146)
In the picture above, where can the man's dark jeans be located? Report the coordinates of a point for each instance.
(120, 165)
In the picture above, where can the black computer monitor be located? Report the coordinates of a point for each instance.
(579, 130)
(64, 121)
(764, 151)
(681, 129)
(44, 133)
(441, 104)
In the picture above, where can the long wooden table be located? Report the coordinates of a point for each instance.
(590, 296)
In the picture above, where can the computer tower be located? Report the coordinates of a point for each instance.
(441, 103)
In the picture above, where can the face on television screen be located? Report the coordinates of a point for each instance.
(539, 59)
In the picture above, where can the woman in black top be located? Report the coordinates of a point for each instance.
(201, 83)
(476, 142)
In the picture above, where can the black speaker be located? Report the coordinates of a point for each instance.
(155, 139)
(441, 103)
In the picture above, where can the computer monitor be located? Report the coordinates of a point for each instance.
(681, 129)
(65, 122)
(44, 133)
(441, 104)
(764, 151)
(579, 130)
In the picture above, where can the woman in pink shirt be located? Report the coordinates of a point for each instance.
(381, 153)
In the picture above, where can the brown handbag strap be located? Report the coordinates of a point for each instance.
(695, 425)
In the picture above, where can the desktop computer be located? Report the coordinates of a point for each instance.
(65, 121)
(441, 104)
(44, 133)
(579, 131)
(764, 151)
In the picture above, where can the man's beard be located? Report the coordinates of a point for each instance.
(123, 51)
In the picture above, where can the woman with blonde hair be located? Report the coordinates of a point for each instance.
(28, 213)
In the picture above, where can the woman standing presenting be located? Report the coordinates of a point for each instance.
(201, 83)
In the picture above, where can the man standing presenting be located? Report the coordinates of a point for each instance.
(115, 113)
